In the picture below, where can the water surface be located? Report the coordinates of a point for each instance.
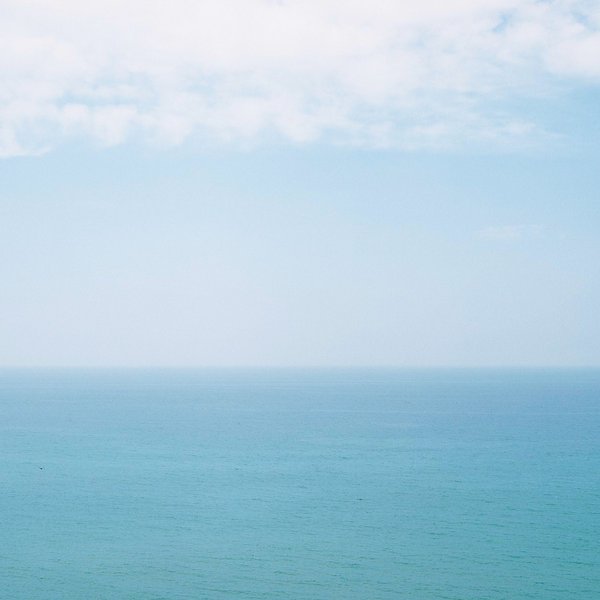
(322, 484)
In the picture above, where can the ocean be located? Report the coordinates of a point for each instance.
(300, 484)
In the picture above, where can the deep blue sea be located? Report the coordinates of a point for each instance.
(300, 484)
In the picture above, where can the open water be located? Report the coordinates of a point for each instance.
(300, 484)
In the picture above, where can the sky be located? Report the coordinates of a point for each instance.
(299, 183)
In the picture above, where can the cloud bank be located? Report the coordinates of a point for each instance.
(378, 73)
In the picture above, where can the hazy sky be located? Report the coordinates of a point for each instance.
(299, 182)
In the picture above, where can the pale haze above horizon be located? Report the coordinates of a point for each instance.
(300, 183)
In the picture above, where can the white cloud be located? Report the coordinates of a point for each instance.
(383, 72)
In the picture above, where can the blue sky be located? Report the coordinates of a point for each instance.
(320, 202)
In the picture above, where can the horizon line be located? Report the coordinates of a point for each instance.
(300, 367)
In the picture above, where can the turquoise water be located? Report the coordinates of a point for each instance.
(467, 484)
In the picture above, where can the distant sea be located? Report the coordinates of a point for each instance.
(300, 484)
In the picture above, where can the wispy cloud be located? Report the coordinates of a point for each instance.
(382, 73)
(503, 233)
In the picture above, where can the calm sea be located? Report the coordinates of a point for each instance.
(331, 484)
